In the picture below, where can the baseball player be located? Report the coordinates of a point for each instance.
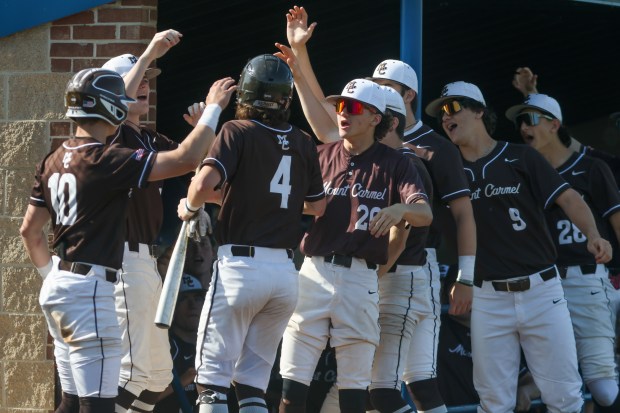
(586, 283)
(146, 364)
(403, 302)
(264, 172)
(82, 187)
(377, 188)
(518, 297)
(450, 189)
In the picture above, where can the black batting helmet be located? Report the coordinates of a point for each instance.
(97, 93)
(266, 82)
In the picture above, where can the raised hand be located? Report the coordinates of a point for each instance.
(193, 113)
(221, 91)
(525, 81)
(162, 42)
(297, 30)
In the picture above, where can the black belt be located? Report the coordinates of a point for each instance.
(154, 249)
(83, 269)
(585, 269)
(523, 284)
(345, 261)
(249, 251)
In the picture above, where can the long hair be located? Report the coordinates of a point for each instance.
(269, 117)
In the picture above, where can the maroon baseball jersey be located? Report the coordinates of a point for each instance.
(443, 162)
(593, 179)
(510, 189)
(145, 210)
(357, 187)
(414, 252)
(267, 174)
(84, 185)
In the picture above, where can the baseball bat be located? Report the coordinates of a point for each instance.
(172, 282)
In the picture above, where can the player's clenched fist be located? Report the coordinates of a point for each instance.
(162, 42)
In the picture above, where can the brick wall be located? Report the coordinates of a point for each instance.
(34, 70)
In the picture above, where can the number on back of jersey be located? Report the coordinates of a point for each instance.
(280, 183)
(569, 233)
(64, 197)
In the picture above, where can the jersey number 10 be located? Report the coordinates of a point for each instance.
(63, 202)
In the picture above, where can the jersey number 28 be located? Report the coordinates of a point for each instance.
(63, 202)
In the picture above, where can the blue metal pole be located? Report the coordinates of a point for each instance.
(411, 41)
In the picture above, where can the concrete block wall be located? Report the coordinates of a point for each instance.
(34, 69)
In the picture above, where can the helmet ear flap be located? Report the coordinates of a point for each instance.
(97, 93)
(266, 82)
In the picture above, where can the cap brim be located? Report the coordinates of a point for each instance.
(152, 72)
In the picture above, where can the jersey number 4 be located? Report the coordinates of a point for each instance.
(64, 197)
(281, 181)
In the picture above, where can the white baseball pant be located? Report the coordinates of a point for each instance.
(403, 304)
(337, 302)
(590, 305)
(249, 302)
(538, 321)
(422, 358)
(146, 362)
(80, 314)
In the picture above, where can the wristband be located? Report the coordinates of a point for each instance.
(210, 116)
(45, 270)
(466, 269)
(189, 208)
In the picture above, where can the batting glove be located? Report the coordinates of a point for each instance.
(199, 226)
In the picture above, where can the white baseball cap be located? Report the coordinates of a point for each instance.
(394, 101)
(189, 283)
(122, 65)
(362, 90)
(455, 90)
(536, 101)
(397, 71)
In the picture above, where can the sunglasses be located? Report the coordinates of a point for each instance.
(530, 119)
(354, 107)
(451, 107)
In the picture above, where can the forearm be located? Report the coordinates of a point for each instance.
(303, 59)
(316, 208)
(33, 237)
(320, 115)
(579, 213)
(396, 244)
(202, 188)
(463, 215)
(418, 214)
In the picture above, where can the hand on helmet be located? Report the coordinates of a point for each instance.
(221, 91)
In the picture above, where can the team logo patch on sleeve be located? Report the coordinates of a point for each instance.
(138, 155)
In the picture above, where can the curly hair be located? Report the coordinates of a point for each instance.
(267, 116)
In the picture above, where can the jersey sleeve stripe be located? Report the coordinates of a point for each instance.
(556, 193)
(463, 192)
(316, 195)
(611, 210)
(143, 175)
(221, 167)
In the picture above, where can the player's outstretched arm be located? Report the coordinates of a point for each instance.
(159, 46)
(298, 33)
(34, 238)
(580, 214)
(418, 214)
(192, 150)
(320, 114)
(525, 81)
